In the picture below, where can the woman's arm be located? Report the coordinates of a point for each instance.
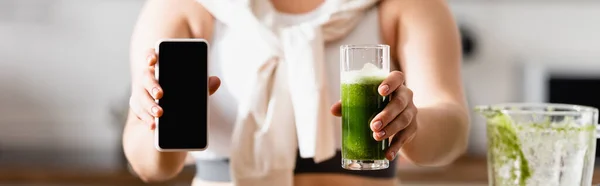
(427, 46)
(158, 19)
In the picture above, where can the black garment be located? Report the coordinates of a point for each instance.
(218, 170)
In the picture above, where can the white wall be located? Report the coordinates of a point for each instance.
(514, 32)
(63, 63)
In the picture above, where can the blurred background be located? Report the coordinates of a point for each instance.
(64, 77)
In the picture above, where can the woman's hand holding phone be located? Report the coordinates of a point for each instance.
(145, 90)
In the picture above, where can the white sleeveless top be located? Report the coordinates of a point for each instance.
(223, 104)
(277, 77)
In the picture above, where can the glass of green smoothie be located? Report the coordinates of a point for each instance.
(363, 68)
(532, 144)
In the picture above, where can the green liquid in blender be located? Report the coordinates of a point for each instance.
(540, 153)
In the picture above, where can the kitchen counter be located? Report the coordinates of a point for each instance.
(43, 177)
(467, 171)
(56, 168)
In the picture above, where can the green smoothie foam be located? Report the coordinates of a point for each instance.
(360, 103)
(523, 154)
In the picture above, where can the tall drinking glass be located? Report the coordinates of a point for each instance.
(363, 68)
(531, 144)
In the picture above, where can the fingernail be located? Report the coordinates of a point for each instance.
(155, 92)
(150, 58)
(380, 134)
(384, 89)
(392, 155)
(155, 110)
(377, 125)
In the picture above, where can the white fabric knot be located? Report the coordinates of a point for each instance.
(287, 108)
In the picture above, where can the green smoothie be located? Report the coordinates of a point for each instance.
(360, 103)
(503, 141)
(525, 153)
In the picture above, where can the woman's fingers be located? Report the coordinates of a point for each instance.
(142, 106)
(150, 106)
(213, 84)
(398, 103)
(336, 109)
(151, 84)
(152, 92)
(151, 57)
(394, 80)
(398, 124)
(144, 92)
(401, 138)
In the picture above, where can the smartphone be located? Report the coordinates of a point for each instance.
(182, 73)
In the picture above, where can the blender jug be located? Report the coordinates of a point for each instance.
(540, 144)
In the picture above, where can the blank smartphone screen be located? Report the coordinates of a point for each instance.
(182, 74)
